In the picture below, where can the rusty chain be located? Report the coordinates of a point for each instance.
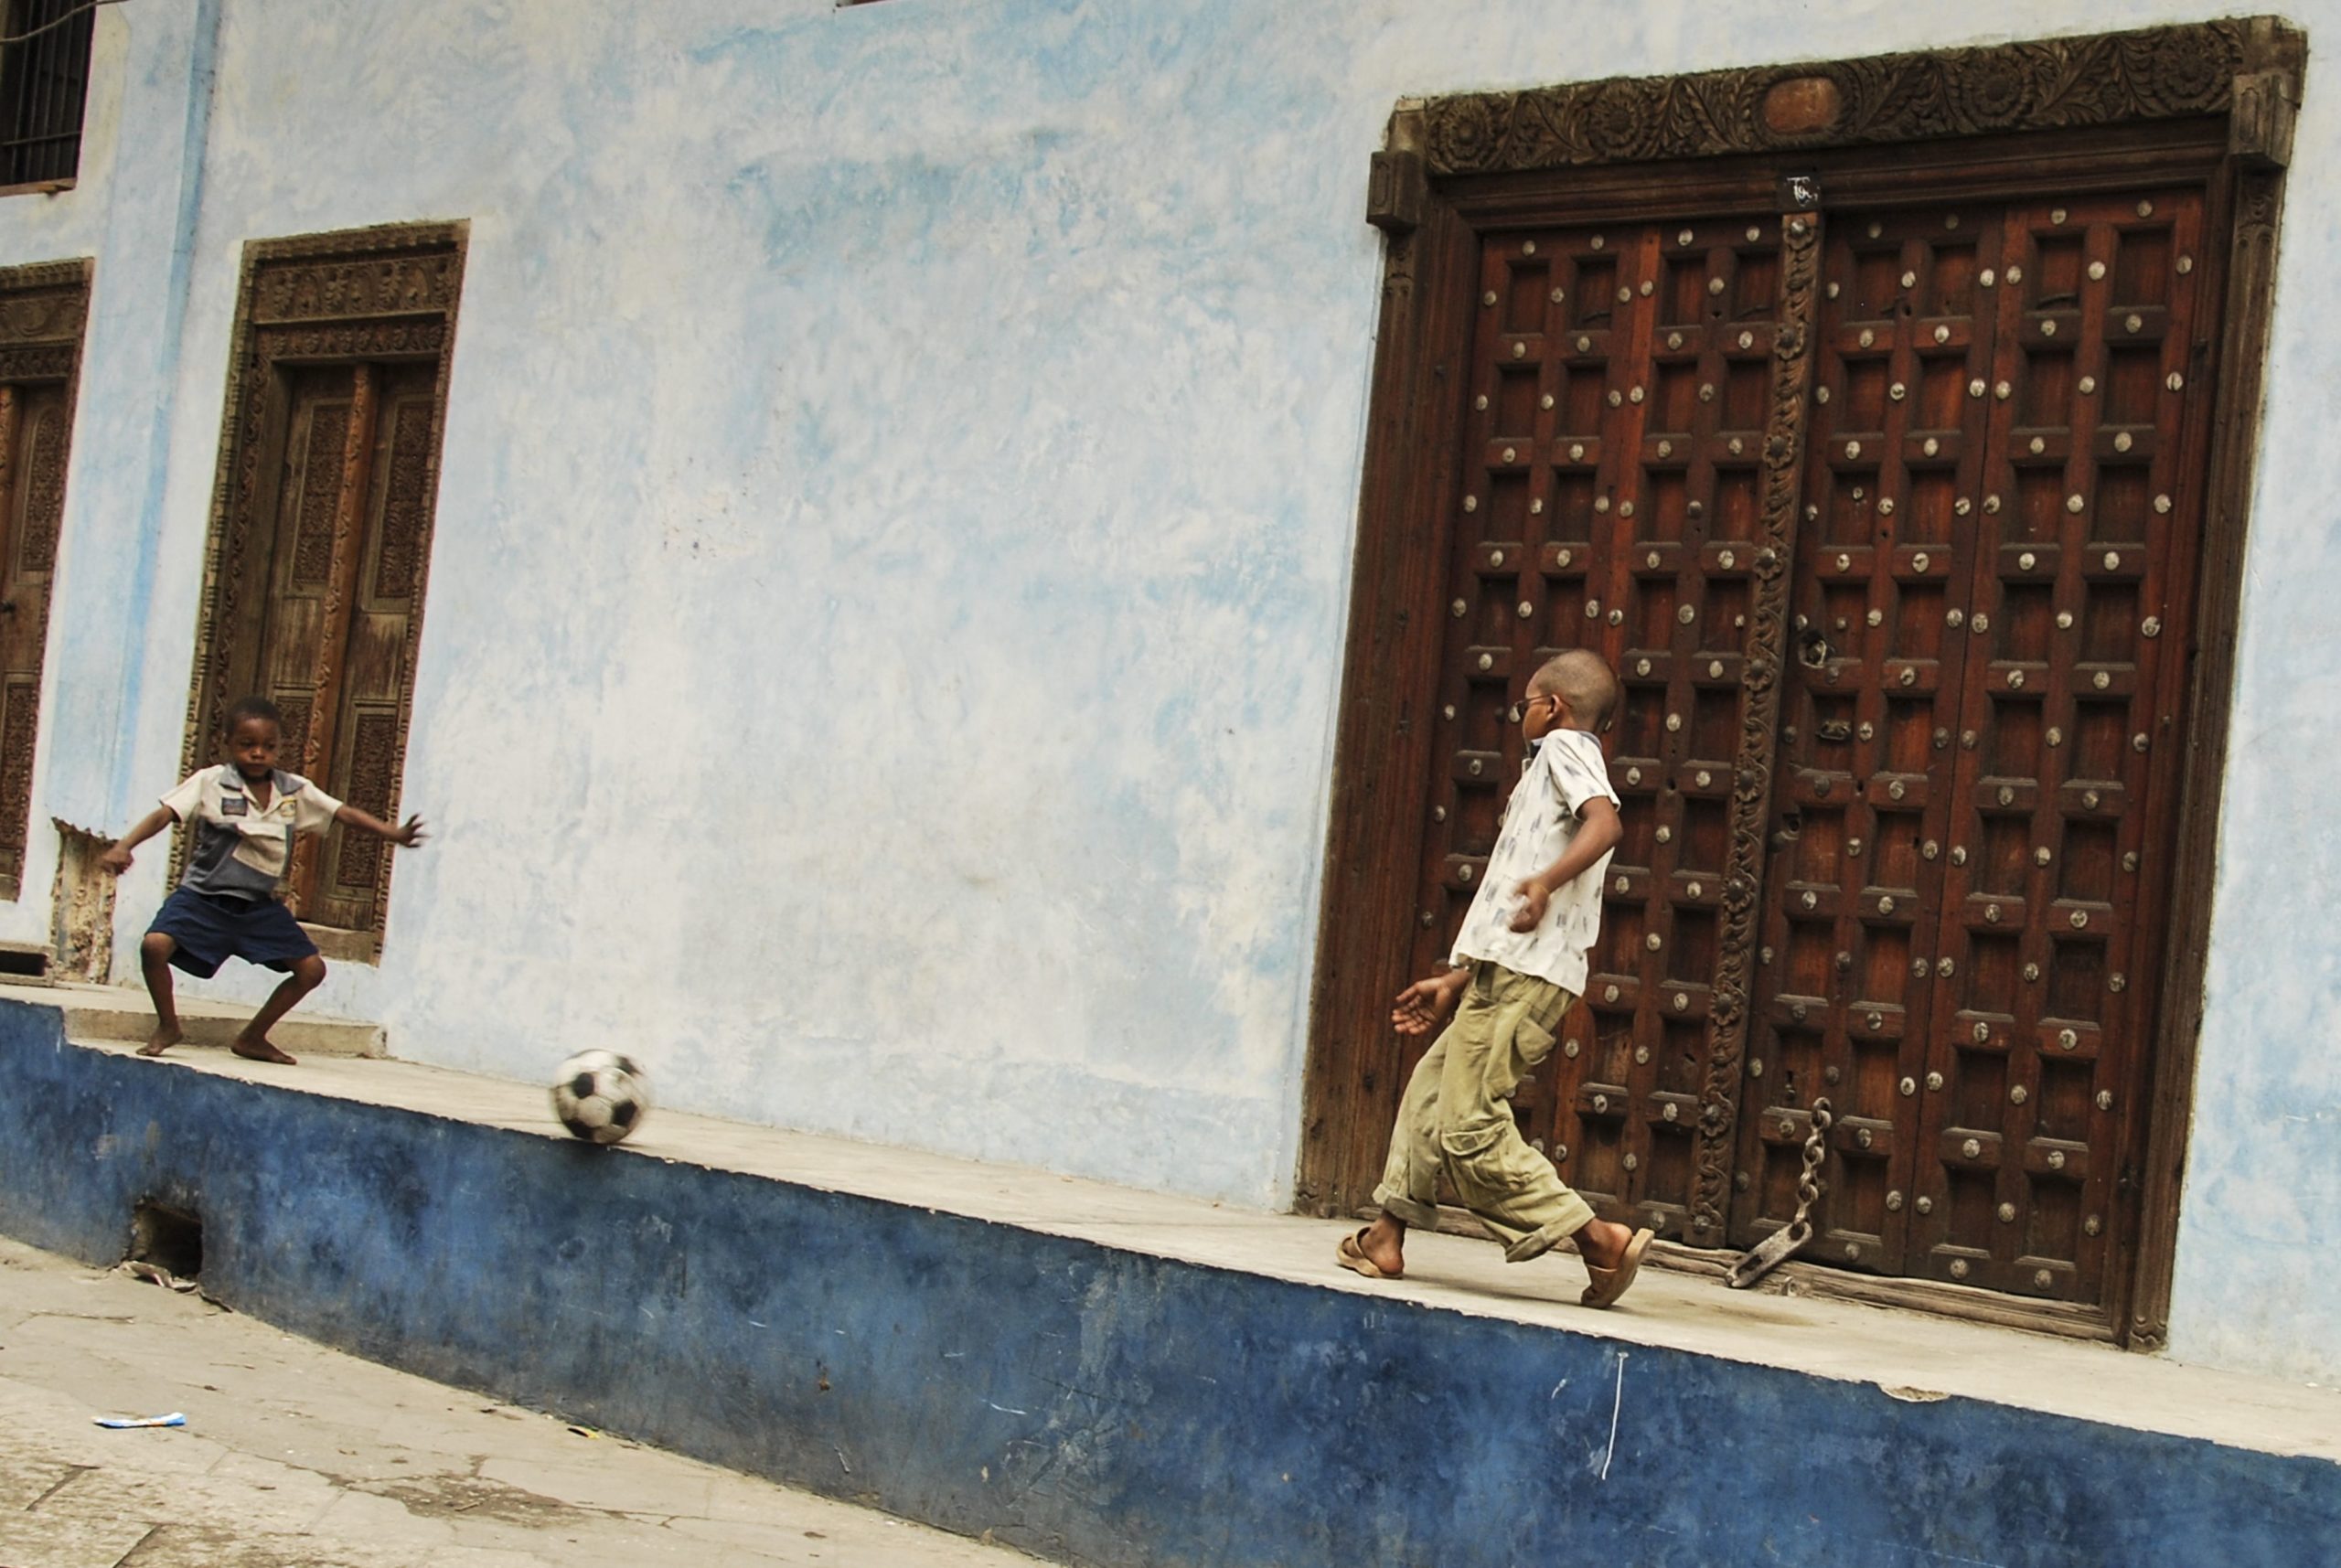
(1777, 1247)
(1808, 1180)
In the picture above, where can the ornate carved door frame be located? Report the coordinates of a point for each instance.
(356, 299)
(2118, 106)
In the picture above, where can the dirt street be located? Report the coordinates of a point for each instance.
(297, 1457)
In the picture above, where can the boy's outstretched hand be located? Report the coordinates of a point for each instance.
(406, 835)
(115, 860)
(1424, 1004)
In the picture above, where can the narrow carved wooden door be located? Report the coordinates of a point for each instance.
(35, 420)
(1971, 828)
(342, 570)
(1623, 377)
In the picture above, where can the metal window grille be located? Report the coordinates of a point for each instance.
(43, 81)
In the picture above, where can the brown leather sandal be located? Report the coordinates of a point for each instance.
(1609, 1284)
(1350, 1255)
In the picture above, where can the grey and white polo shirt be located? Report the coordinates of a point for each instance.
(241, 848)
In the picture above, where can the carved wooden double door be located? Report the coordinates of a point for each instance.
(1886, 518)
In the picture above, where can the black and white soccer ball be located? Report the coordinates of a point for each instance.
(601, 1095)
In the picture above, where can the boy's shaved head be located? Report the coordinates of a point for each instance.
(1581, 679)
(254, 707)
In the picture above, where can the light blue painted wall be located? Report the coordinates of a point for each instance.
(891, 549)
(2262, 1223)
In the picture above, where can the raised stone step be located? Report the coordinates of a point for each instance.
(119, 1013)
(1127, 1379)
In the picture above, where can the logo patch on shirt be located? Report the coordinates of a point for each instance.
(233, 805)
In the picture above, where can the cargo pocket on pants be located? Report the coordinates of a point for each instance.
(1532, 1042)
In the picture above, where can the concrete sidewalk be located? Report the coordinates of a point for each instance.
(297, 1457)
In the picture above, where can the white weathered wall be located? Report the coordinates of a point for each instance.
(899, 486)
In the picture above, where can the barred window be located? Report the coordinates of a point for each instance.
(44, 77)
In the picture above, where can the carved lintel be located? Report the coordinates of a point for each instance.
(69, 274)
(400, 337)
(2045, 84)
(44, 302)
(1397, 194)
(2260, 126)
(43, 315)
(1760, 718)
(316, 290)
(43, 362)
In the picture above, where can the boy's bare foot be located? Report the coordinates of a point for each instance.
(1378, 1250)
(261, 1049)
(1602, 1244)
(165, 1037)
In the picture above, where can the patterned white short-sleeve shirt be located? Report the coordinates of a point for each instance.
(241, 848)
(1539, 821)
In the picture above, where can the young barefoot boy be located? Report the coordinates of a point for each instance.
(245, 813)
(1517, 967)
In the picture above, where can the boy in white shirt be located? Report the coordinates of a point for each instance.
(244, 814)
(1518, 966)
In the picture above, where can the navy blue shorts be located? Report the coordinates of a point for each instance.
(211, 928)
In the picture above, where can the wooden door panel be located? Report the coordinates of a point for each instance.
(300, 556)
(1621, 385)
(2082, 582)
(345, 570)
(364, 766)
(2000, 494)
(41, 509)
(1895, 442)
(35, 420)
(371, 673)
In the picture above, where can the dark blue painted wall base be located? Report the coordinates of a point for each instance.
(1090, 1405)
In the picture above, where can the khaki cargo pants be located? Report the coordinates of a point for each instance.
(1454, 1118)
